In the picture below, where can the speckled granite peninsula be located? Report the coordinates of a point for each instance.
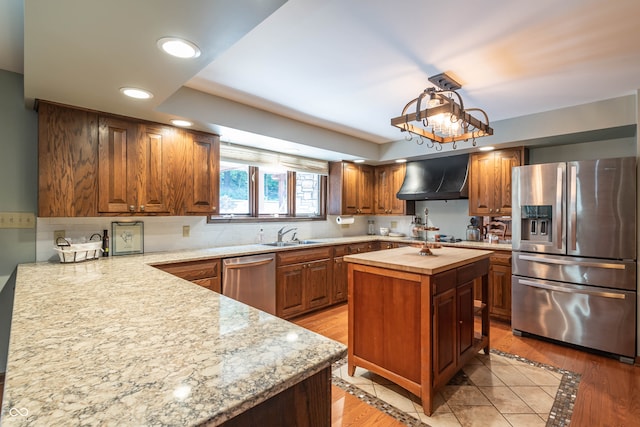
(117, 342)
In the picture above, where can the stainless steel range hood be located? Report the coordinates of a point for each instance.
(444, 178)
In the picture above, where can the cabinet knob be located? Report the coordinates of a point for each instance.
(142, 208)
(214, 209)
(498, 210)
(491, 210)
(132, 208)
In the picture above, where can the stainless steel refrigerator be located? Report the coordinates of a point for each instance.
(574, 253)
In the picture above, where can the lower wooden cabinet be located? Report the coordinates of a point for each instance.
(303, 280)
(500, 285)
(340, 283)
(455, 308)
(205, 273)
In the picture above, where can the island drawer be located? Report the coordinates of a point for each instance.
(444, 281)
(469, 272)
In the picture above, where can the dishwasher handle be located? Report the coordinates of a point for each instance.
(244, 264)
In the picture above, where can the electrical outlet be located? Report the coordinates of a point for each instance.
(186, 231)
(394, 224)
(57, 234)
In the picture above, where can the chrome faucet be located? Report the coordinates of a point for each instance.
(282, 232)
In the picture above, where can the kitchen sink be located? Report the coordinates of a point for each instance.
(292, 243)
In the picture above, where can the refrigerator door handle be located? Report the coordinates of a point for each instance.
(573, 206)
(559, 220)
(569, 290)
(571, 262)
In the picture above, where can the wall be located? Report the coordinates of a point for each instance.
(622, 147)
(18, 192)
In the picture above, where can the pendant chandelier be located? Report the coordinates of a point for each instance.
(438, 114)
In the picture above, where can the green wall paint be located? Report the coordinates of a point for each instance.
(18, 192)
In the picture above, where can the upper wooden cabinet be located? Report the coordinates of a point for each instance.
(133, 167)
(203, 189)
(92, 164)
(350, 188)
(490, 181)
(389, 179)
(67, 162)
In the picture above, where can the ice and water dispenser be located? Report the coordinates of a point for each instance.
(536, 223)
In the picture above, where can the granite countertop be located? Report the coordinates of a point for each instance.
(117, 342)
(409, 259)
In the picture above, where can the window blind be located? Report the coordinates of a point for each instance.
(259, 157)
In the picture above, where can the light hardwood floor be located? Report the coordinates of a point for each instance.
(608, 395)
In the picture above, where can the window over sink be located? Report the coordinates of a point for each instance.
(264, 185)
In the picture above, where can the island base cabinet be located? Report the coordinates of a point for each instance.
(416, 330)
(307, 403)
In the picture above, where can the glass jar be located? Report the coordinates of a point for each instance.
(371, 230)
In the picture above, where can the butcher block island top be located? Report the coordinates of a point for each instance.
(118, 342)
(414, 319)
(409, 259)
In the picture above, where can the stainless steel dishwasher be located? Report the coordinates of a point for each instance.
(251, 280)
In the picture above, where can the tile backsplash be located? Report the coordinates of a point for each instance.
(165, 233)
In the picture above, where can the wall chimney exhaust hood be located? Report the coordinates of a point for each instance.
(444, 178)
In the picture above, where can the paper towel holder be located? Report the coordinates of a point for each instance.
(345, 219)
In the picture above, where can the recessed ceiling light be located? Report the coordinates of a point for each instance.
(133, 92)
(401, 161)
(486, 148)
(358, 161)
(182, 123)
(178, 47)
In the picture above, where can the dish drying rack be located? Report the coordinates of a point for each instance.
(78, 252)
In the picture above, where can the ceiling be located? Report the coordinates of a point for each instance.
(343, 65)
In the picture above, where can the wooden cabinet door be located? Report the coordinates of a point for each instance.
(132, 167)
(211, 283)
(382, 190)
(464, 297)
(388, 180)
(444, 333)
(500, 291)
(203, 176)
(350, 174)
(67, 161)
(505, 161)
(340, 282)
(481, 184)
(116, 191)
(317, 277)
(490, 181)
(289, 285)
(148, 163)
(366, 183)
(396, 178)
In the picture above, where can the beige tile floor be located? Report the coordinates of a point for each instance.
(506, 392)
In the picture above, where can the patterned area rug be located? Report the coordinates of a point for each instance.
(559, 415)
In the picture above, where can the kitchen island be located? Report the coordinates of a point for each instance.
(117, 342)
(416, 320)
